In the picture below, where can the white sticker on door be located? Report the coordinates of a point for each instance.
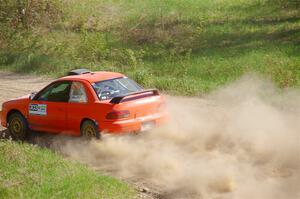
(38, 109)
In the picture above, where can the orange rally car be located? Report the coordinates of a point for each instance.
(87, 104)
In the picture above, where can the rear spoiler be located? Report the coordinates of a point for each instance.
(118, 99)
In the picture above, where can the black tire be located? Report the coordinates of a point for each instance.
(89, 130)
(18, 126)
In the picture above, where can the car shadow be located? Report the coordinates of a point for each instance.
(4, 134)
(54, 142)
(43, 140)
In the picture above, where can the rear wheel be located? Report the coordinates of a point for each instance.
(89, 130)
(18, 126)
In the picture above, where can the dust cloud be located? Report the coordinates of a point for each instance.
(241, 141)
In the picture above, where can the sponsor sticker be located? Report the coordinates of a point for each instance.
(38, 109)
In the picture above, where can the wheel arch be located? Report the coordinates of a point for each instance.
(12, 111)
(86, 119)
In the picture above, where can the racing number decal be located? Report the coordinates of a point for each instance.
(38, 109)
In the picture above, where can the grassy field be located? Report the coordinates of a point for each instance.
(27, 171)
(185, 47)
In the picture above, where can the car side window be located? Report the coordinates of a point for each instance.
(77, 93)
(57, 92)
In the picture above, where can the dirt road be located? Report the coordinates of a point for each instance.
(14, 85)
(241, 141)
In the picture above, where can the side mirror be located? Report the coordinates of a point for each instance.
(32, 95)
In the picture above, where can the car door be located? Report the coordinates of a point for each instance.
(77, 108)
(47, 110)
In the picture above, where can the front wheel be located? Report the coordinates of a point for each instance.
(89, 130)
(18, 126)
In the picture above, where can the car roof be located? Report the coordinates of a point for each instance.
(94, 76)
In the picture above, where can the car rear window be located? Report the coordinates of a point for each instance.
(109, 89)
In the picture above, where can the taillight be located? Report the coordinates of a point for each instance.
(117, 115)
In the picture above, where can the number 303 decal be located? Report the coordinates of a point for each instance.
(38, 109)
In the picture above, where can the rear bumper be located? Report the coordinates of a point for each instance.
(132, 125)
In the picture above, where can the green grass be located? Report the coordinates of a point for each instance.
(27, 171)
(184, 47)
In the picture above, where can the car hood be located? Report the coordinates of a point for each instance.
(17, 100)
(21, 98)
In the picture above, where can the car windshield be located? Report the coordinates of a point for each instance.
(115, 87)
